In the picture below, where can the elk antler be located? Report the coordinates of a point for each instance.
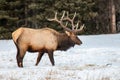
(60, 21)
(63, 18)
(75, 28)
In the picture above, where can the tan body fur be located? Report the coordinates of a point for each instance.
(36, 39)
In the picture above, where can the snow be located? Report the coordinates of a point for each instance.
(98, 58)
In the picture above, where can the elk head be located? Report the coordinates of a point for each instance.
(70, 32)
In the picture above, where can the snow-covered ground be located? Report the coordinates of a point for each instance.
(98, 58)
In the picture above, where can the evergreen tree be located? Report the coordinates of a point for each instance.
(7, 17)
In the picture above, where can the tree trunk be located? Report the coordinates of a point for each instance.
(112, 16)
(26, 14)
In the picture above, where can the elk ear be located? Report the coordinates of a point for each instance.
(68, 33)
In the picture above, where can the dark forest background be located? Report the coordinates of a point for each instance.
(99, 16)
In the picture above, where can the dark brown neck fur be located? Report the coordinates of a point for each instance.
(64, 42)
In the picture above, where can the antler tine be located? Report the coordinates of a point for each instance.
(55, 18)
(80, 29)
(55, 15)
(77, 25)
(67, 14)
(62, 16)
(74, 16)
(66, 24)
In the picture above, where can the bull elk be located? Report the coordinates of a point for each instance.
(45, 40)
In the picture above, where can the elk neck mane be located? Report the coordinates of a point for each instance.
(64, 42)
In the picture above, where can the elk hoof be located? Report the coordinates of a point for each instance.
(20, 65)
(53, 64)
(36, 64)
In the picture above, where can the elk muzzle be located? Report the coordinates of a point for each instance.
(78, 41)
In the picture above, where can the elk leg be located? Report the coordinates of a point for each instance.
(19, 57)
(40, 54)
(50, 54)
